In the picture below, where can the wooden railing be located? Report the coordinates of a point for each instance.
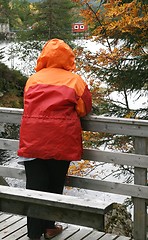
(138, 129)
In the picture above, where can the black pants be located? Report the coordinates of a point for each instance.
(44, 175)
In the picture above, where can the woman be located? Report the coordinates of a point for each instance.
(50, 134)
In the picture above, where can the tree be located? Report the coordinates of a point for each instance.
(4, 10)
(53, 20)
(4, 16)
(21, 15)
(121, 27)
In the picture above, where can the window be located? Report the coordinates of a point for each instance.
(81, 26)
(76, 26)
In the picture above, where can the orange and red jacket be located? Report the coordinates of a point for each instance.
(54, 100)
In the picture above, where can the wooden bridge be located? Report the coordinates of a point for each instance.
(85, 217)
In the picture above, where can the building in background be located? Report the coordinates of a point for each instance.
(80, 29)
(5, 32)
(4, 28)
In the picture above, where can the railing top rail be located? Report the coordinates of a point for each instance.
(11, 110)
(125, 126)
(129, 121)
(89, 117)
(117, 120)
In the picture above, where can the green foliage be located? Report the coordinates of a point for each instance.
(41, 20)
(12, 84)
(17, 13)
(4, 10)
(20, 15)
(129, 73)
(53, 20)
(11, 80)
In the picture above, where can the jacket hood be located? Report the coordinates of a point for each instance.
(56, 54)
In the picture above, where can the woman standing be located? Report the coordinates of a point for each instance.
(50, 135)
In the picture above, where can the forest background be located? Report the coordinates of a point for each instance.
(119, 65)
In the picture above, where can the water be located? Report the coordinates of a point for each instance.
(15, 57)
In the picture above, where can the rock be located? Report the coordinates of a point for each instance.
(119, 221)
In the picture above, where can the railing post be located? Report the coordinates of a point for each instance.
(140, 177)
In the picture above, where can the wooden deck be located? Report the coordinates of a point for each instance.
(13, 227)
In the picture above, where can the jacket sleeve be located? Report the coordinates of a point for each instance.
(84, 103)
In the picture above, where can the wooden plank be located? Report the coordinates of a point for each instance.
(13, 172)
(3, 217)
(109, 236)
(138, 191)
(26, 238)
(128, 159)
(9, 221)
(140, 177)
(123, 238)
(81, 234)
(87, 183)
(12, 228)
(95, 235)
(10, 115)
(132, 127)
(52, 199)
(61, 208)
(17, 234)
(67, 233)
(9, 144)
